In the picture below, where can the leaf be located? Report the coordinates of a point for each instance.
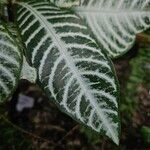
(10, 64)
(3, 1)
(28, 72)
(115, 23)
(145, 132)
(71, 67)
(66, 3)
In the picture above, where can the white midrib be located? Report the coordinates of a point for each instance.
(63, 51)
(84, 9)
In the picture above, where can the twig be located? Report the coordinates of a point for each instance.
(143, 38)
(53, 127)
(24, 131)
(69, 133)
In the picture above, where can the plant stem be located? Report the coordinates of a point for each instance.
(69, 133)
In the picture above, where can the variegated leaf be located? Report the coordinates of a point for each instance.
(115, 23)
(66, 3)
(10, 64)
(71, 66)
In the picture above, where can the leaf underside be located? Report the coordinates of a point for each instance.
(10, 64)
(28, 72)
(71, 67)
(115, 23)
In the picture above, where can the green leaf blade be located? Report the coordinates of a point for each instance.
(10, 64)
(71, 67)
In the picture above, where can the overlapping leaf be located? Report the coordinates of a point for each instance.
(71, 66)
(10, 64)
(66, 3)
(115, 23)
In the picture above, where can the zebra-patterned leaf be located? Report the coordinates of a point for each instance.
(10, 64)
(115, 23)
(66, 3)
(71, 66)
